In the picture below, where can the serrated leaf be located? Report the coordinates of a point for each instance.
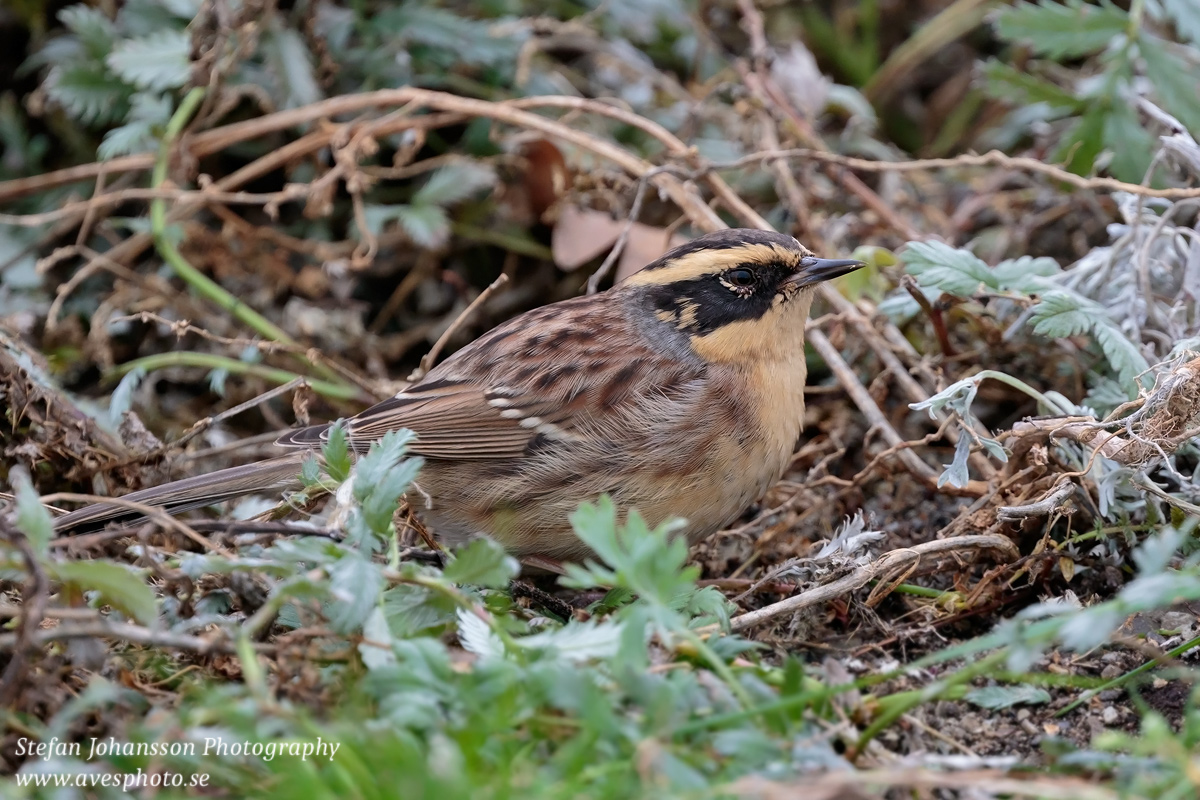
(577, 642)
(376, 648)
(158, 61)
(1022, 88)
(355, 585)
(91, 26)
(148, 111)
(1175, 80)
(1083, 142)
(291, 67)
(1122, 354)
(454, 183)
(1023, 274)
(482, 562)
(413, 609)
(134, 137)
(1132, 145)
(951, 270)
(996, 698)
(1059, 314)
(380, 459)
(88, 94)
(1062, 31)
(445, 34)
(380, 505)
(1186, 16)
(428, 226)
(476, 637)
(118, 586)
(33, 519)
(310, 471)
(336, 451)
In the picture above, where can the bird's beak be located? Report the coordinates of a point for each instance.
(814, 270)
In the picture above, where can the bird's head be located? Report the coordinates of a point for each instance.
(737, 294)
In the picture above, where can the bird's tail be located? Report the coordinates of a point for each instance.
(190, 493)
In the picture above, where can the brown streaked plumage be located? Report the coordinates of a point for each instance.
(679, 392)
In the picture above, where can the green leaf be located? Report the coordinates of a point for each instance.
(337, 453)
(1060, 314)
(1175, 80)
(310, 471)
(290, 65)
(376, 648)
(89, 94)
(1122, 354)
(381, 459)
(428, 226)
(118, 586)
(148, 112)
(1023, 88)
(158, 61)
(382, 476)
(1186, 16)
(33, 519)
(92, 28)
(649, 562)
(996, 698)
(1132, 145)
(476, 637)
(1024, 274)
(413, 609)
(1080, 146)
(453, 184)
(355, 584)
(122, 397)
(482, 562)
(1063, 31)
(956, 473)
(954, 271)
(577, 642)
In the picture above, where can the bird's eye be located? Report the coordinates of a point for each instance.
(741, 278)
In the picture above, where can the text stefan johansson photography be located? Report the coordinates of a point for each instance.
(212, 746)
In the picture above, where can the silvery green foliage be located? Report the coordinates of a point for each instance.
(1092, 110)
(1135, 299)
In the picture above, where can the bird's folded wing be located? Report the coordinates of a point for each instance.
(454, 421)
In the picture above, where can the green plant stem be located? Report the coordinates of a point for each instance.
(718, 665)
(1020, 385)
(200, 283)
(919, 591)
(1121, 680)
(894, 706)
(334, 391)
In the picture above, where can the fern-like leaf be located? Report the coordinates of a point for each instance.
(1061, 31)
(88, 93)
(157, 62)
(954, 271)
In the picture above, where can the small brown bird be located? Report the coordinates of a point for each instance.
(679, 392)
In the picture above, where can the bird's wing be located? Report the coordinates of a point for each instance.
(542, 378)
(460, 421)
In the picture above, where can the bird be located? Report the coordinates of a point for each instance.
(678, 392)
